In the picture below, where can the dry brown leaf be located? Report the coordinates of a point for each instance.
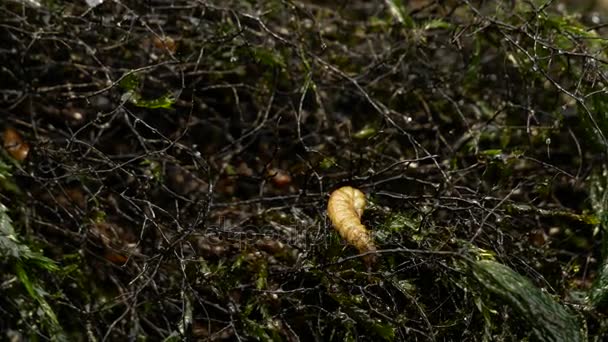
(165, 42)
(280, 178)
(15, 145)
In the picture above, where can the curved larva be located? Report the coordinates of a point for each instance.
(345, 208)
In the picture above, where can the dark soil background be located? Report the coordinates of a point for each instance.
(166, 167)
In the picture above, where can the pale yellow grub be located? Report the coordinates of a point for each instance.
(345, 208)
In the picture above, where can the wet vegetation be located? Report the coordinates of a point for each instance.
(165, 169)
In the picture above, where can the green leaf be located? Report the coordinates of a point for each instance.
(598, 295)
(549, 320)
(260, 283)
(38, 294)
(129, 82)
(6, 179)
(327, 162)
(397, 10)
(10, 246)
(365, 132)
(165, 101)
(436, 24)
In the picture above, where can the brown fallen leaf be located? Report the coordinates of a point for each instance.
(280, 178)
(15, 145)
(165, 42)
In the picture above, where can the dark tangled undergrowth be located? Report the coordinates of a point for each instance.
(166, 167)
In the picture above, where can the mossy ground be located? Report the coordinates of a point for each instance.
(166, 167)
